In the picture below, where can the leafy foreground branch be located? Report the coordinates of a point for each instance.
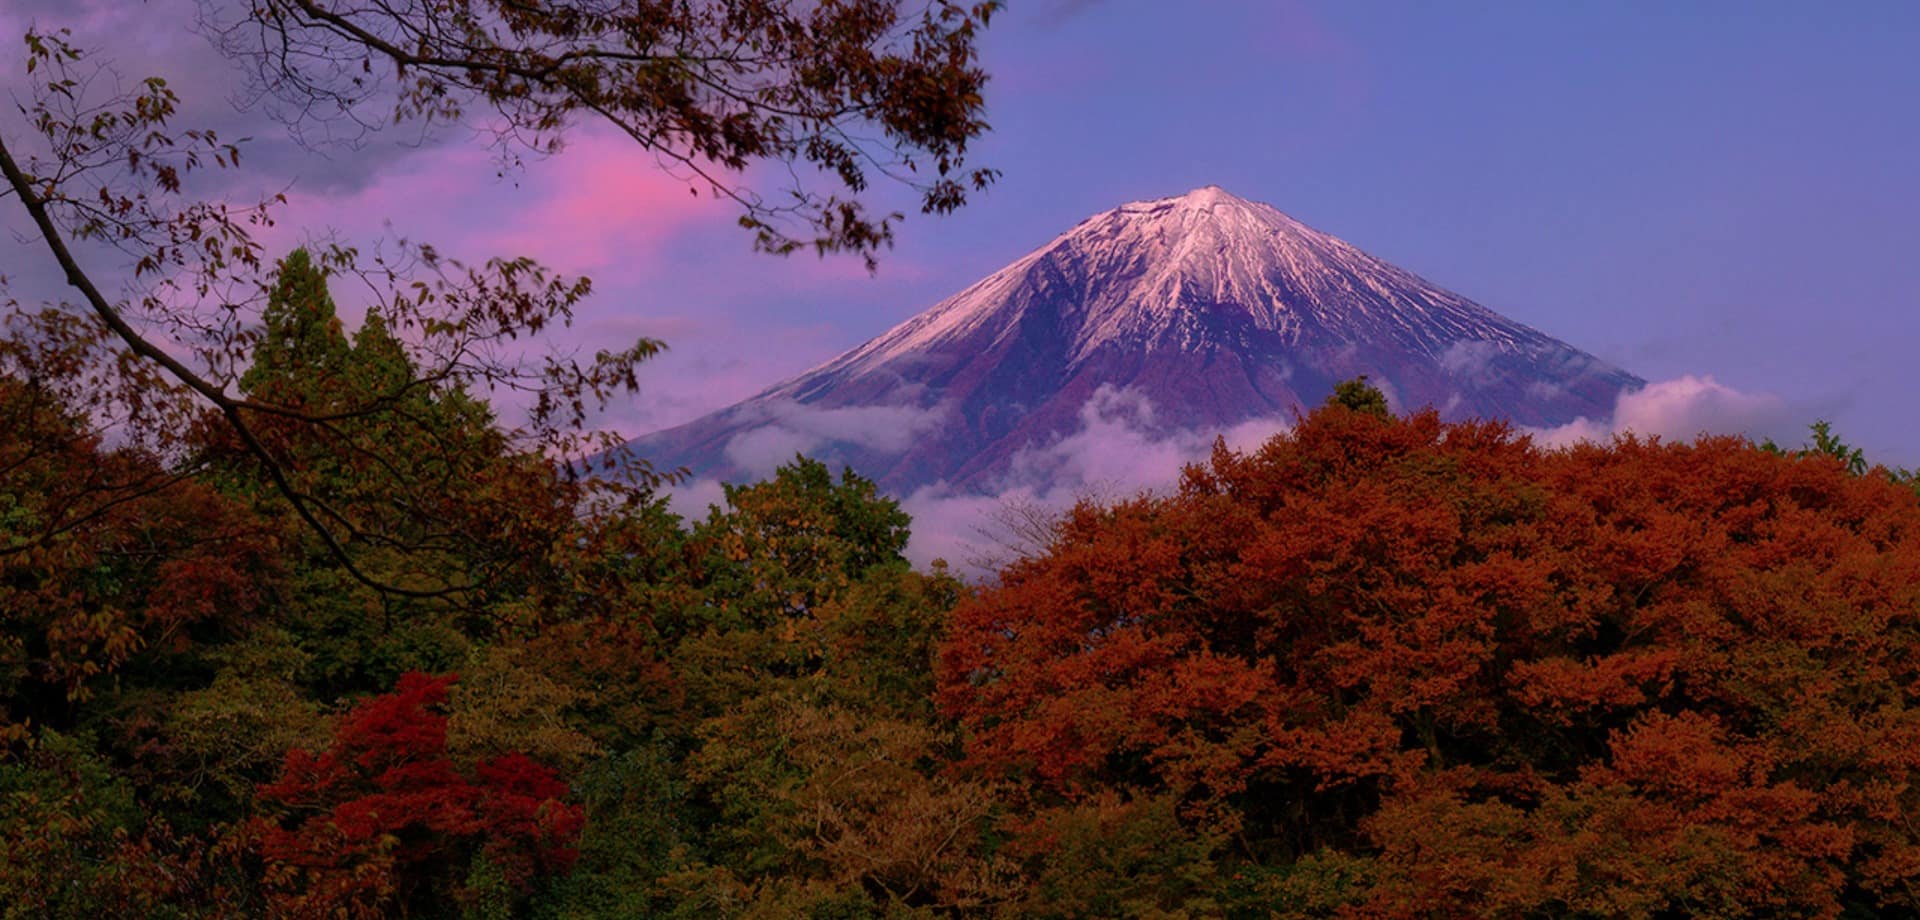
(107, 179)
(844, 92)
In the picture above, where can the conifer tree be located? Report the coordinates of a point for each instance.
(303, 352)
(1360, 396)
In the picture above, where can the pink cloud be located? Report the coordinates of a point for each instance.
(602, 207)
(429, 196)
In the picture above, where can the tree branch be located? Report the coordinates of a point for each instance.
(229, 407)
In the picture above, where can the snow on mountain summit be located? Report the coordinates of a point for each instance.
(1214, 308)
(1130, 273)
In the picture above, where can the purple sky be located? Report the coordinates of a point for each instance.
(1722, 189)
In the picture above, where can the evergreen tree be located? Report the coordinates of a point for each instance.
(1360, 396)
(302, 354)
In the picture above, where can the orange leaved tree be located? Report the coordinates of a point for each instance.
(1404, 662)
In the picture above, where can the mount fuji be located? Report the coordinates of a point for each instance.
(1203, 311)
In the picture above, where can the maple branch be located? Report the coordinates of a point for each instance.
(230, 407)
(129, 494)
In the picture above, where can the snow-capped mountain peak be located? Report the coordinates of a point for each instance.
(1216, 308)
(1132, 272)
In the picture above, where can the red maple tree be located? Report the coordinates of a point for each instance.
(384, 819)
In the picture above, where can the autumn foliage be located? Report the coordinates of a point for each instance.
(1417, 663)
(107, 559)
(384, 819)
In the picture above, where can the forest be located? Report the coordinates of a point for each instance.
(311, 615)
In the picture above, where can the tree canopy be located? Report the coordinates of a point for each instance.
(1421, 663)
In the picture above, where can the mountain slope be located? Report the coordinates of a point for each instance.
(1217, 310)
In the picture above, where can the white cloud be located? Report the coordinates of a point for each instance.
(1116, 451)
(1117, 447)
(793, 428)
(1469, 358)
(1545, 390)
(692, 500)
(1682, 409)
